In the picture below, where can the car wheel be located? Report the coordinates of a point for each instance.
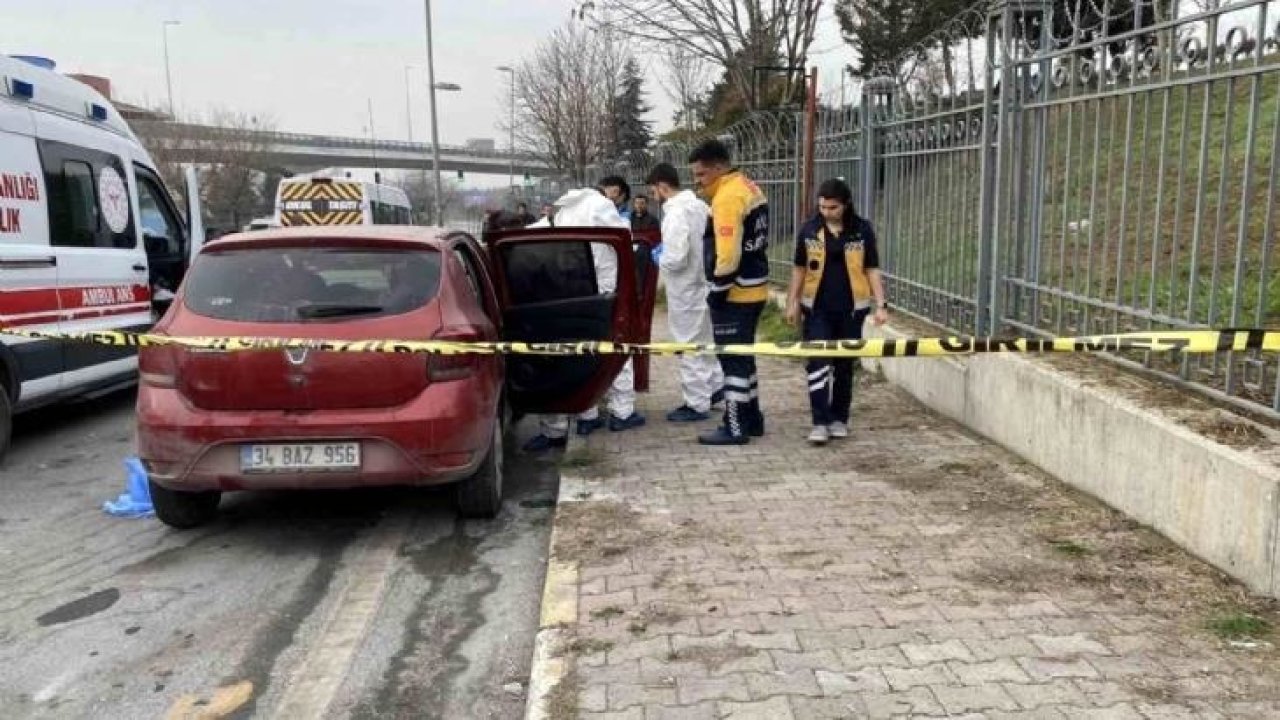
(184, 510)
(480, 496)
(6, 421)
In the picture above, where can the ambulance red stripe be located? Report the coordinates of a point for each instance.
(29, 300)
(84, 314)
(41, 306)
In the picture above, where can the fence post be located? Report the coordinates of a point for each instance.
(1033, 128)
(1007, 21)
(810, 145)
(877, 100)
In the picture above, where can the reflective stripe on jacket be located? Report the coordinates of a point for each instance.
(736, 242)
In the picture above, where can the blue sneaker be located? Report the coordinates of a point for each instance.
(617, 424)
(722, 436)
(686, 414)
(541, 443)
(586, 427)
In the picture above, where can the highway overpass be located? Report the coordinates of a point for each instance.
(298, 153)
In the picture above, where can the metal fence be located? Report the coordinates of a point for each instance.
(1060, 167)
(766, 146)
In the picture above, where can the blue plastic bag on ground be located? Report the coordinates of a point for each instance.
(136, 502)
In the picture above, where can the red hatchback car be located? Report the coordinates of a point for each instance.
(211, 421)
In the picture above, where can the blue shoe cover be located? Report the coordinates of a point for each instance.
(137, 501)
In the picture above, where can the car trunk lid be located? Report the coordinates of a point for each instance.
(357, 298)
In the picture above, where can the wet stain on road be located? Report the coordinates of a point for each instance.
(422, 673)
(327, 545)
(82, 608)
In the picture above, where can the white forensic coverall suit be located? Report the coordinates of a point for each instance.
(684, 220)
(588, 208)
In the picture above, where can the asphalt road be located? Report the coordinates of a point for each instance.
(360, 604)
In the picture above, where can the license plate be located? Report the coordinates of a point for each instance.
(298, 457)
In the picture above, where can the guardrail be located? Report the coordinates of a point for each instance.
(156, 128)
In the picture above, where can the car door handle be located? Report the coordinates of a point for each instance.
(139, 267)
(17, 263)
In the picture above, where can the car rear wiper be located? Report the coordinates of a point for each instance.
(337, 310)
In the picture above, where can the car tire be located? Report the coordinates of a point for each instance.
(480, 496)
(184, 510)
(6, 421)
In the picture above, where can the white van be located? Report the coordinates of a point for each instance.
(90, 239)
(325, 201)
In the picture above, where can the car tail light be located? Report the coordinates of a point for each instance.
(443, 368)
(158, 366)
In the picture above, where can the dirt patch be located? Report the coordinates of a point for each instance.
(581, 458)
(562, 701)
(1231, 431)
(655, 615)
(868, 378)
(1015, 574)
(590, 530)
(660, 578)
(1154, 689)
(712, 657)
(974, 487)
(595, 530)
(1072, 540)
(806, 559)
(605, 613)
(1183, 406)
(578, 646)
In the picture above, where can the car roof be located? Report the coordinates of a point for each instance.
(408, 235)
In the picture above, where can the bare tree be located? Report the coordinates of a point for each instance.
(232, 184)
(227, 149)
(687, 77)
(421, 191)
(734, 36)
(564, 95)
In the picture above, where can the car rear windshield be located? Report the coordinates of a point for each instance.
(311, 284)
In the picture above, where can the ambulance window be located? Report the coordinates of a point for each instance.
(79, 219)
(159, 227)
(89, 197)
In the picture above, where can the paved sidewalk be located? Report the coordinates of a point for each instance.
(913, 570)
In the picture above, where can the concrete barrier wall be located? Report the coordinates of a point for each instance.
(1219, 503)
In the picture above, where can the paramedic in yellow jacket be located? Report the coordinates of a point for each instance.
(735, 253)
(835, 285)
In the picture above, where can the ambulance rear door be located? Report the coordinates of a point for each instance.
(30, 368)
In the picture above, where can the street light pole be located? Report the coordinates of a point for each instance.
(435, 132)
(373, 139)
(168, 76)
(408, 107)
(511, 145)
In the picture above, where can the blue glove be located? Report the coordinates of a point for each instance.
(656, 253)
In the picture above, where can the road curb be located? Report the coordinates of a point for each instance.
(559, 613)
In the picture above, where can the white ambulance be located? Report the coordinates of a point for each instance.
(90, 239)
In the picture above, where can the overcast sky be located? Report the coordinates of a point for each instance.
(313, 66)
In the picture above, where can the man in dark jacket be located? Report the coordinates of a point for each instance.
(641, 218)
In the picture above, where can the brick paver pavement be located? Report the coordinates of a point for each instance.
(913, 570)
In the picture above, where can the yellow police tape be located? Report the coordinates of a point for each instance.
(1188, 341)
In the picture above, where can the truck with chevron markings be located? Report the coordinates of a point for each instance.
(328, 201)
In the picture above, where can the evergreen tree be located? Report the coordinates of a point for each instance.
(885, 32)
(882, 31)
(633, 132)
